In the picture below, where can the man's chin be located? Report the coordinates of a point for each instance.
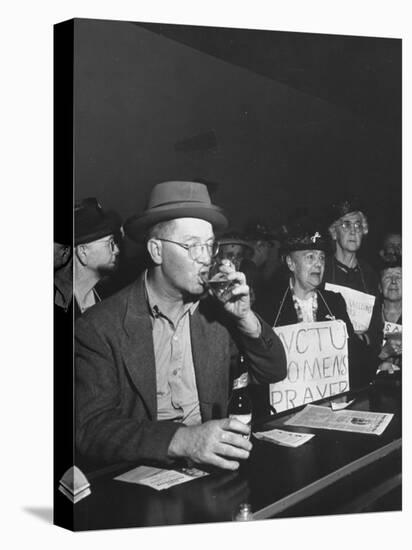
(199, 290)
(193, 295)
(108, 270)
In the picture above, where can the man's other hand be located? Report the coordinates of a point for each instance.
(219, 443)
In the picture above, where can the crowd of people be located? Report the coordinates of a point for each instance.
(157, 350)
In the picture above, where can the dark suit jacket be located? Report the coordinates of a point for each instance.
(116, 408)
(362, 362)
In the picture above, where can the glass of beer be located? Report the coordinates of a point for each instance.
(216, 280)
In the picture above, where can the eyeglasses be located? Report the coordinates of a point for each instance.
(347, 226)
(196, 250)
(113, 246)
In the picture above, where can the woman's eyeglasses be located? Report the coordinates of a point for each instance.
(347, 226)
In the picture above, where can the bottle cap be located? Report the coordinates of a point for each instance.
(244, 513)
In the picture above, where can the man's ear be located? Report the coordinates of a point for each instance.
(154, 247)
(290, 263)
(81, 253)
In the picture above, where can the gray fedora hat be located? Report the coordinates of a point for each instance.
(175, 199)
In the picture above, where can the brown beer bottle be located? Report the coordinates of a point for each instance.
(240, 405)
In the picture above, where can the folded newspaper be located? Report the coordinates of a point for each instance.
(315, 416)
(158, 478)
(283, 437)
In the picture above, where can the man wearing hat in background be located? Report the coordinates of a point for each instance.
(94, 258)
(267, 268)
(234, 247)
(153, 361)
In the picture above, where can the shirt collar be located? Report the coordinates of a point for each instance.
(312, 295)
(345, 268)
(154, 305)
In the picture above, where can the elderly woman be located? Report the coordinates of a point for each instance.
(304, 250)
(391, 289)
(348, 227)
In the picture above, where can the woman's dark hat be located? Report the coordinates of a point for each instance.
(175, 199)
(304, 235)
(91, 222)
(395, 261)
(345, 205)
(256, 230)
(234, 237)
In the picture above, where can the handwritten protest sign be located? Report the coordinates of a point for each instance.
(392, 328)
(317, 359)
(359, 305)
(391, 331)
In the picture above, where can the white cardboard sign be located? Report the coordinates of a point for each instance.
(392, 328)
(317, 363)
(359, 305)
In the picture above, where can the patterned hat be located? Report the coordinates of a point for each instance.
(304, 235)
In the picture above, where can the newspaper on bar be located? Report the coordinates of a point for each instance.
(359, 305)
(284, 437)
(160, 479)
(315, 416)
(317, 363)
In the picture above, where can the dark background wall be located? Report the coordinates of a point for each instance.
(277, 120)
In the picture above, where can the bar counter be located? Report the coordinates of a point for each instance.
(334, 472)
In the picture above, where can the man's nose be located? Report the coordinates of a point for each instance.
(205, 257)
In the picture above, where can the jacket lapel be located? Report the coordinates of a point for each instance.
(202, 342)
(288, 314)
(137, 347)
